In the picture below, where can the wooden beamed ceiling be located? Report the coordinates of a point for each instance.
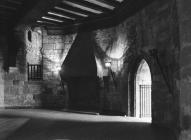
(8, 8)
(11, 11)
(75, 12)
(71, 15)
(67, 15)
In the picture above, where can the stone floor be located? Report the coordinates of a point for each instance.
(57, 125)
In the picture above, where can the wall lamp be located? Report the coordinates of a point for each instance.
(108, 66)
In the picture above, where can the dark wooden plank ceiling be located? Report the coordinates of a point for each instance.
(11, 11)
(8, 8)
(67, 15)
(75, 12)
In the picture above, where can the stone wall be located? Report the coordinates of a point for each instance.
(33, 46)
(3, 47)
(154, 29)
(185, 68)
(50, 51)
(18, 92)
(159, 31)
(151, 34)
(55, 49)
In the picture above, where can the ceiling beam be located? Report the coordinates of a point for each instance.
(82, 15)
(38, 11)
(46, 22)
(62, 5)
(49, 22)
(90, 5)
(56, 20)
(81, 6)
(59, 18)
(111, 20)
(101, 4)
(61, 12)
(86, 25)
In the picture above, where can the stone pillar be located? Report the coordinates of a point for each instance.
(1, 89)
(184, 12)
(3, 49)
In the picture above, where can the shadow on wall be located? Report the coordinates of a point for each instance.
(10, 44)
(16, 51)
(3, 50)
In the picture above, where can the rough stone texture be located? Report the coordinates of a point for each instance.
(155, 27)
(52, 95)
(16, 94)
(184, 12)
(2, 42)
(17, 91)
(161, 20)
(31, 94)
(15, 76)
(55, 49)
(123, 46)
(33, 47)
(151, 34)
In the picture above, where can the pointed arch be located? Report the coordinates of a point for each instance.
(135, 63)
(142, 91)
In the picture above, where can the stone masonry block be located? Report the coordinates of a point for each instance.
(8, 82)
(18, 82)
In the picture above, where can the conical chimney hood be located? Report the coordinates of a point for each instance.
(80, 61)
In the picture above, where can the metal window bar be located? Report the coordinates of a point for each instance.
(35, 72)
(145, 100)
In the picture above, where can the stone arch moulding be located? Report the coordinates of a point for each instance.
(134, 63)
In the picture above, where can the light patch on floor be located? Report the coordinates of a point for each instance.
(59, 125)
(58, 115)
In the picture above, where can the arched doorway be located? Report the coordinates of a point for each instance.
(142, 90)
